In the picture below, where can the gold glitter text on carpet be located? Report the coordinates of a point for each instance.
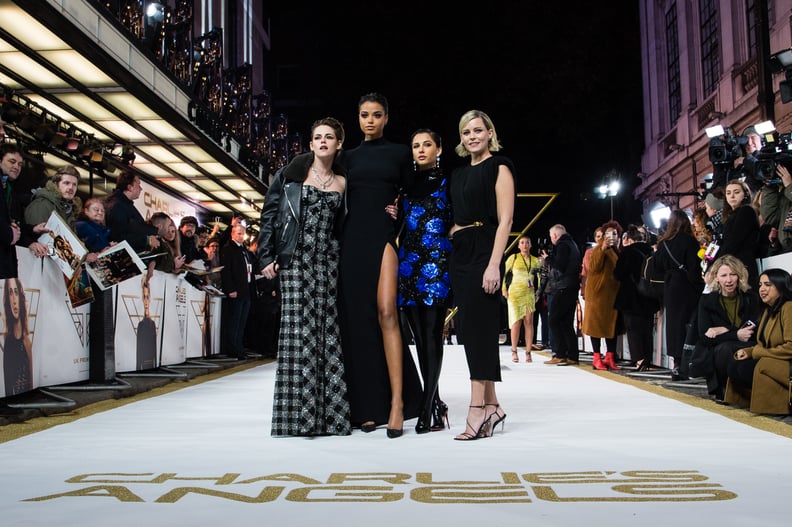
(511, 487)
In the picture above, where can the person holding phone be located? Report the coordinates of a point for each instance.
(726, 318)
(600, 319)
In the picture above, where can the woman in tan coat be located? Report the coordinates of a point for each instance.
(599, 317)
(759, 377)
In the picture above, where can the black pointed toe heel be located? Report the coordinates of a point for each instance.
(393, 433)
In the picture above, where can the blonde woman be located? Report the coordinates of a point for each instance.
(482, 201)
(727, 318)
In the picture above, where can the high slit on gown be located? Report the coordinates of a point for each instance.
(375, 172)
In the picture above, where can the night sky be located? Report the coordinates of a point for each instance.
(560, 80)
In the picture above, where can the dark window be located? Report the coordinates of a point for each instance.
(672, 47)
(710, 46)
(750, 15)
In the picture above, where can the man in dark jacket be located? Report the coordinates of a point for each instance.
(10, 164)
(239, 285)
(124, 220)
(565, 265)
(187, 239)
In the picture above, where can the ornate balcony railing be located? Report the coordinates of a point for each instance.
(223, 104)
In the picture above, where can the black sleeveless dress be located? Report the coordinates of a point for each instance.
(473, 202)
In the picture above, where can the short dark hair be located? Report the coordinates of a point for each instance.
(125, 180)
(374, 97)
(333, 123)
(9, 148)
(188, 220)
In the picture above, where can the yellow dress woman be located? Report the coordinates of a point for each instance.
(520, 295)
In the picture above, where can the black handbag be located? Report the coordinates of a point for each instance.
(507, 278)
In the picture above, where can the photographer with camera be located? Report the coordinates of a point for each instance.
(754, 168)
(563, 281)
(740, 157)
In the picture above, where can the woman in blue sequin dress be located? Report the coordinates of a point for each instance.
(424, 283)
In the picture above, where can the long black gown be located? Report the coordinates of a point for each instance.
(376, 170)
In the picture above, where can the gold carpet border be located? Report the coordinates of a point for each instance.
(13, 431)
(761, 422)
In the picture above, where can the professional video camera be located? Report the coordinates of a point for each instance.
(725, 147)
(778, 151)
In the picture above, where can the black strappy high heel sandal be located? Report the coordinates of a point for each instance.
(499, 419)
(482, 431)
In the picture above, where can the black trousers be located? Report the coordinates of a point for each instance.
(561, 321)
(639, 335)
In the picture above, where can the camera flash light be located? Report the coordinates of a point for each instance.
(764, 128)
(715, 131)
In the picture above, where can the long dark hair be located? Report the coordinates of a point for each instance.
(9, 317)
(783, 283)
(678, 222)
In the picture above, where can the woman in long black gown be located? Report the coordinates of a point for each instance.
(382, 380)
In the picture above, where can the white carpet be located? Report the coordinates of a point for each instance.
(579, 448)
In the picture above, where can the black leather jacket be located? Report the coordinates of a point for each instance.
(281, 216)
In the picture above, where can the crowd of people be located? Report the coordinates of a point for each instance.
(99, 224)
(715, 327)
(362, 252)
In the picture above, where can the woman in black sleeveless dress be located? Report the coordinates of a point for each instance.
(482, 201)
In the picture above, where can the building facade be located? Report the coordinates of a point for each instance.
(705, 63)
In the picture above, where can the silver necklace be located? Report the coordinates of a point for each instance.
(323, 184)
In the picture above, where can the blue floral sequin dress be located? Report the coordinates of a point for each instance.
(424, 247)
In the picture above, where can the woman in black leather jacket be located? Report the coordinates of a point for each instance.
(299, 241)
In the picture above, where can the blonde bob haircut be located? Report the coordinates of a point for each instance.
(494, 144)
(735, 265)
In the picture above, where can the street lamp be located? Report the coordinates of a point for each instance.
(609, 190)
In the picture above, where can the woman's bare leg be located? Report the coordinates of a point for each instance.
(515, 334)
(529, 334)
(476, 412)
(391, 333)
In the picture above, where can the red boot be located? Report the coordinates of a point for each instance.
(610, 361)
(597, 363)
